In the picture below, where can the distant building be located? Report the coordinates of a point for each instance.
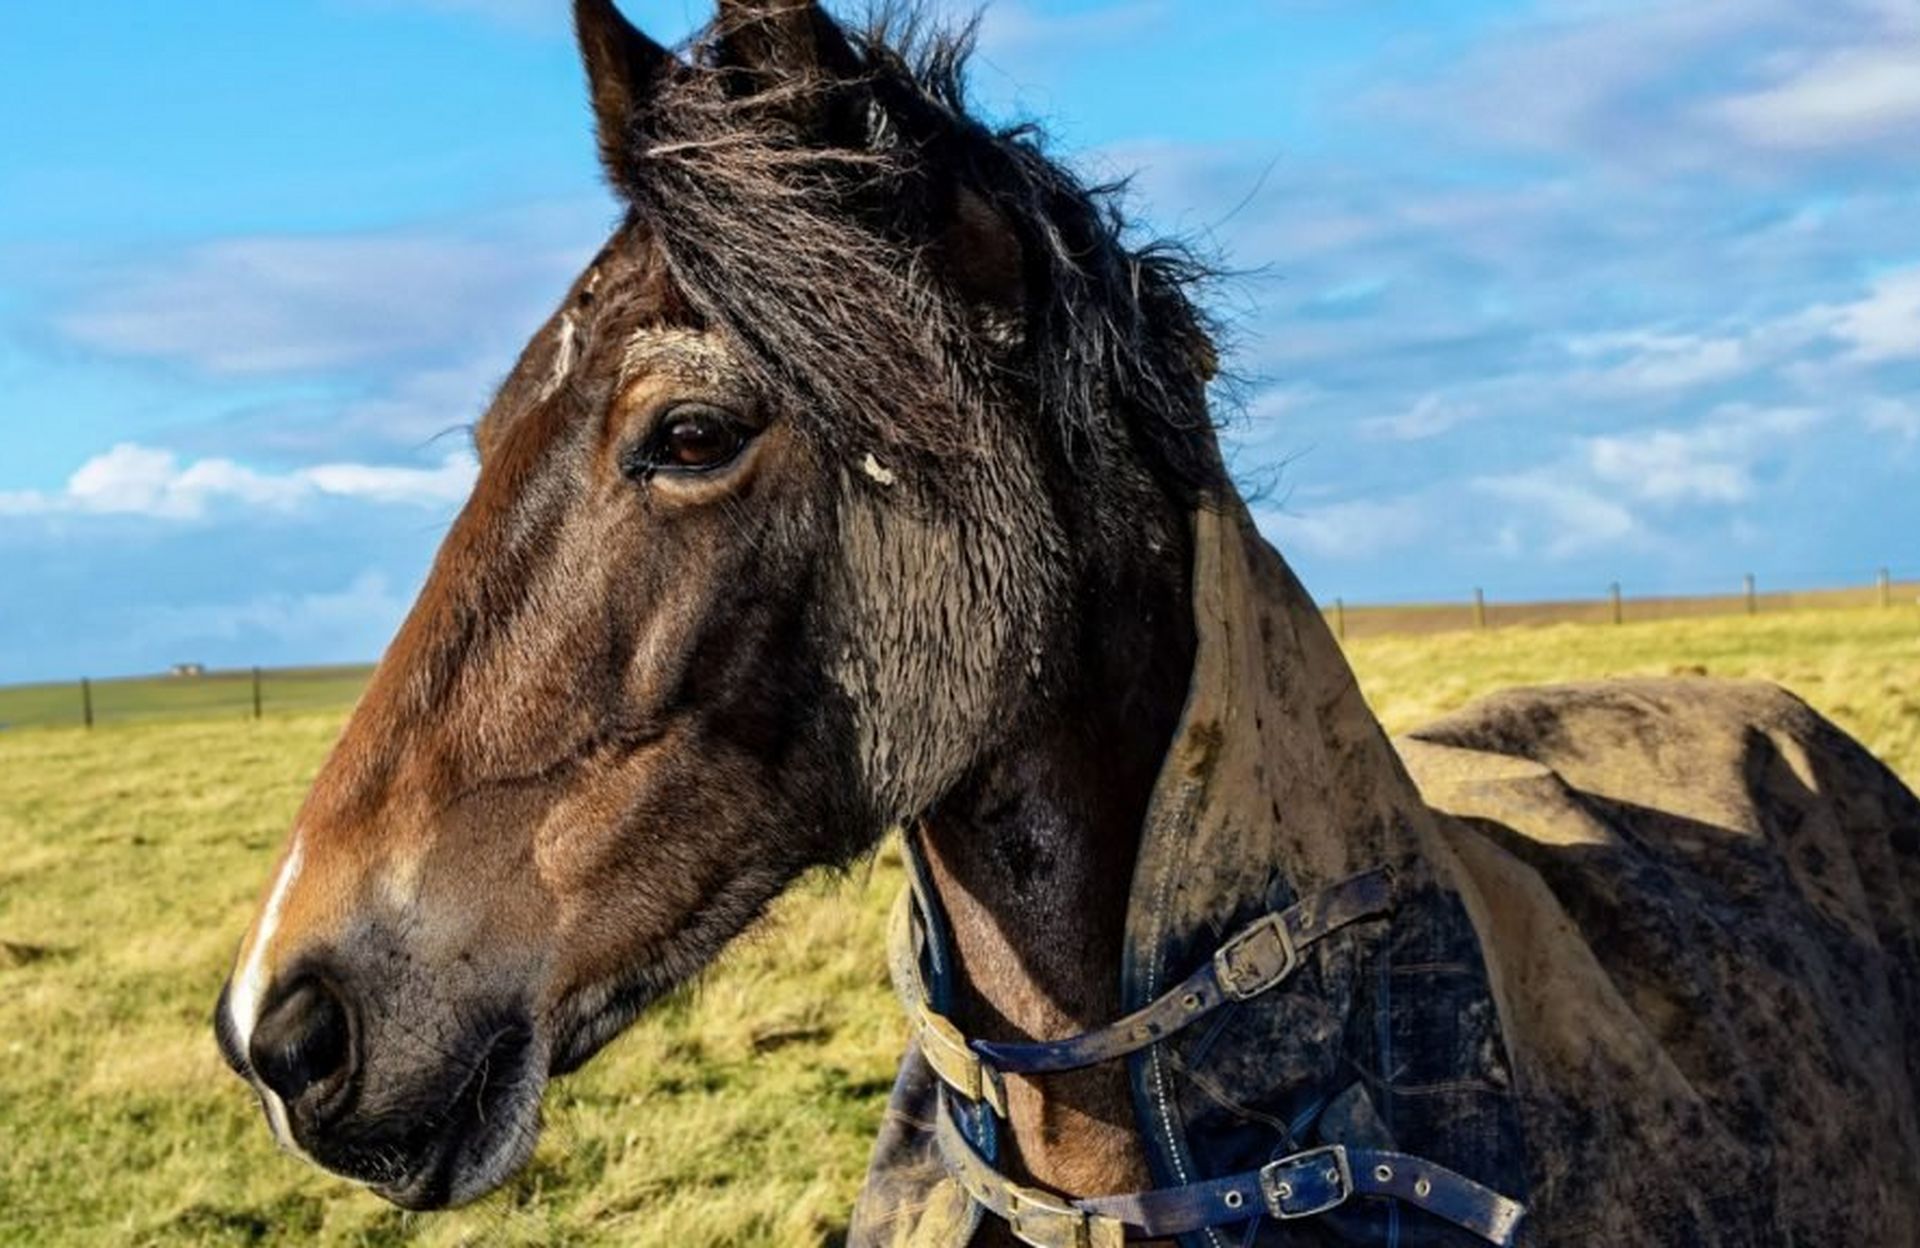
(188, 669)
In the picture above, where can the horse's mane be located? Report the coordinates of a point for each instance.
(821, 258)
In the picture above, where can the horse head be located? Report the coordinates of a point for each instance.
(795, 511)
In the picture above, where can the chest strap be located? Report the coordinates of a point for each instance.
(1259, 956)
(1300, 1185)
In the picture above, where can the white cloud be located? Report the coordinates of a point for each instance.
(309, 306)
(1431, 416)
(1348, 530)
(1856, 95)
(1882, 326)
(1563, 77)
(1012, 27)
(1711, 463)
(1902, 419)
(1590, 499)
(1660, 466)
(424, 404)
(1721, 86)
(368, 607)
(1576, 518)
(136, 480)
(1815, 348)
(1648, 362)
(1279, 404)
(443, 486)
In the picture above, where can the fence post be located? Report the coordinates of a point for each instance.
(1753, 602)
(86, 703)
(1613, 592)
(1886, 588)
(1340, 618)
(1479, 608)
(256, 693)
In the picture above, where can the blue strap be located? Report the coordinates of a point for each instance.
(1260, 956)
(1301, 1185)
(924, 977)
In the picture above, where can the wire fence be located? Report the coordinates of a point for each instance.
(1474, 611)
(190, 693)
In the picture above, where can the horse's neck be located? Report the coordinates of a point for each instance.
(1034, 860)
(1034, 882)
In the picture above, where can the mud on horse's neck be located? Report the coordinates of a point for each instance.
(1034, 860)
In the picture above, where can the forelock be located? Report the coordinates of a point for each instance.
(818, 261)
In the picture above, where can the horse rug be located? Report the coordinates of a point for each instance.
(1651, 969)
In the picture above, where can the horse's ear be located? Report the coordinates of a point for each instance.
(789, 51)
(624, 68)
(981, 254)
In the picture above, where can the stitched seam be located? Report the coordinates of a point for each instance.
(1386, 1061)
(1162, 903)
(1157, 1055)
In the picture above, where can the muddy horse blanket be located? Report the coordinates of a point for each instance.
(1653, 968)
(1701, 906)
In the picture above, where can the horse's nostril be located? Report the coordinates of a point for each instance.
(301, 1040)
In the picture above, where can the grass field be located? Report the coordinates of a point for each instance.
(737, 1114)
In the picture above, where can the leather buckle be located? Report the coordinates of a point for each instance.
(1038, 1218)
(1307, 1183)
(1256, 959)
(955, 1062)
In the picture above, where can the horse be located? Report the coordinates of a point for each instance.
(866, 479)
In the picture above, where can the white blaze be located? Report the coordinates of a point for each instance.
(243, 1003)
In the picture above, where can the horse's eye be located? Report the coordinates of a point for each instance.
(695, 439)
(700, 442)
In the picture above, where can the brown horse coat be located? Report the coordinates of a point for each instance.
(1654, 968)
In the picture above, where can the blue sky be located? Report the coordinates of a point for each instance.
(1536, 295)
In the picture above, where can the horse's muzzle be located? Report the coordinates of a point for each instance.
(478, 1137)
(425, 1114)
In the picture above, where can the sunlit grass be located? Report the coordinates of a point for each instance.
(737, 1114)
(1859, 667)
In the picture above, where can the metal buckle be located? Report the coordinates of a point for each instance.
(1256, 959)
(1307, 1183)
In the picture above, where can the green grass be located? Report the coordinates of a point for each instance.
(738, 1114)
(1860, 667)
(129, 863)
